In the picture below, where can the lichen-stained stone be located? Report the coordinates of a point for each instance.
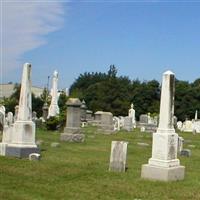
(118, 156)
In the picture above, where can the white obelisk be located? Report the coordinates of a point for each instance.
(164, 165)
(53, 108)
(23, 135)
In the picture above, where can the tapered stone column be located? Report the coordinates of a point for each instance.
(53, 108)
(164, 165)
(23, 133)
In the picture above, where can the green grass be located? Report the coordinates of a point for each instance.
(80, 171)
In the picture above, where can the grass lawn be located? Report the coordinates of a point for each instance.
(80, 171)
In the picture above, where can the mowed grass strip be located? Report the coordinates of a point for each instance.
(79, 171)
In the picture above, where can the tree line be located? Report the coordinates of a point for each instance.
(113, 93)
(109, 92)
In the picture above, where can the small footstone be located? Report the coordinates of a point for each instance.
(142, 144)
(91, 136)
(34, 156)
(186, 152)
(39, 142)
(55, 144)
(72, 137)
(191, 146)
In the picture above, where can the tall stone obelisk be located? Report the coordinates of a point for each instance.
(164, 165)
(23, 135)
(53, 108)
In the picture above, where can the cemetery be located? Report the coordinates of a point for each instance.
(99, 100)
(97, 155)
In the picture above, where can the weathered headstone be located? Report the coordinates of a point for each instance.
(118, 156)
(180, 144)
(128, 124)
(187, 126)
(116, 122)
(72, 131)
(53, 108)
(150, 119)
(164, 164)
(97, 118)
(7, 133)
(22, 141)
(179, 125)
(196, 126)
(144, 119)
(106, 123)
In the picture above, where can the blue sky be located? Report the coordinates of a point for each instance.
(142, 39)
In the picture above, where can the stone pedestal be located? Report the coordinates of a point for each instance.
(163, 174)
(20, 138)
(72, 131)
(21, 151)
(68, 137)
(3, 148)
(164, 165)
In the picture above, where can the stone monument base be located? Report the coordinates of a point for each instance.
(21, 151)
(72, 130)
(162, 173)
(3, 149)
(69, 137)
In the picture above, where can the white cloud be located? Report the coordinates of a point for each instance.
(24, 27)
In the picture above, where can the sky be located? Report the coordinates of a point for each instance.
(141, 38)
